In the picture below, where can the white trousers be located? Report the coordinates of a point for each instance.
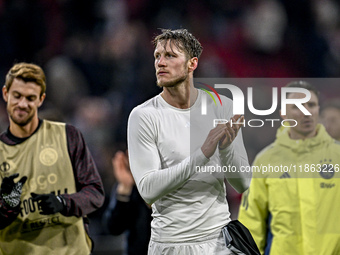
(212, 246)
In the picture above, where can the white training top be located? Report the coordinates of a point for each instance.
(188, 198)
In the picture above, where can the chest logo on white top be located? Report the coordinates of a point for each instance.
(48, 156)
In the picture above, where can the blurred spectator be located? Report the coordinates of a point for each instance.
(125, 55)
(3, 117)
(127, 211)
(327, 23)
(65, 81)
(264, 26)
(254, 44)
(94, 118)
(330, 118)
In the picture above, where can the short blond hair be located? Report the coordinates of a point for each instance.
(28, 73)
(182, 39)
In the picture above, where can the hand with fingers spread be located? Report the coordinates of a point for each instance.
(233, 126)
(11, 191)
(49, 203)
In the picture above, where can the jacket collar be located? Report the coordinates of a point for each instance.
(306, 145)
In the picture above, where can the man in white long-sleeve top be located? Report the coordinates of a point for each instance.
(174, 154)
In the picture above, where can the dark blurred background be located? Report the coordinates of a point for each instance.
(98, 59)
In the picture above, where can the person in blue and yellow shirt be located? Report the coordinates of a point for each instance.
(295, 210)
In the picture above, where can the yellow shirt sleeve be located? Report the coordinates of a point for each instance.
(253, 211)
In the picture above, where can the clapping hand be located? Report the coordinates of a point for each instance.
(222, 135)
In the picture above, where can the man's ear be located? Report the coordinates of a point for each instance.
(5, 93)
(192, 64)
(42, 98)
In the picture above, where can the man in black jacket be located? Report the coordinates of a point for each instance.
(127, 211)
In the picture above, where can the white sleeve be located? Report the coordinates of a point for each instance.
(235, 155)
(153, 182)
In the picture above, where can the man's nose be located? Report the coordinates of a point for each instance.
(23, 102)
(161, 61)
